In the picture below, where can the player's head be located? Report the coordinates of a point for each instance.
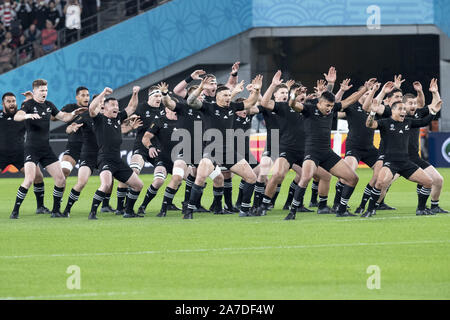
(9, 102)
(211, 88)
(82, 96)
(326, 102)
(223, 96)
(191, 89)
(398, 111)
(410, 101)
(394, 96)
(154, 97)
(111, 107)
(40, 90)
(281, 93)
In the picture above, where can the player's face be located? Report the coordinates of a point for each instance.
(9, 104)
(111, 109)
(397, 97)
(411, 106)
(155, 99)
(223, 98)
(281, 95)
(211, 88)
(40, 93)
(83, 98)
(325, 106)
(399, 112)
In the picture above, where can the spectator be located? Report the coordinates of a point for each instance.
(16, 32)
(49, 37)
(25, 50)
(72, 11)
(33, 35)
(7, 12)
(6, 58)
(23, 12)
(40, 14)
(2, 32)
(54, 16)
(9, 40)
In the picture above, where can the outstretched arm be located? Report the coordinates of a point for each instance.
(180, 89)
(355, 97)
(132, 104)
(233, 79)
(420, 96)
(370, 122)
(192, 100)
(345, 86)
(266, 101)
(96, 104)
(368, 102)
(331, 78)
(254, 95)
(166, 99)
(297, 106)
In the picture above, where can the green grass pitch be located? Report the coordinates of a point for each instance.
(225, 257)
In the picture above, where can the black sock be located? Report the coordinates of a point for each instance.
(314, 191)
(21, 194)
(151, 193)
(73, 197)
(121, 194)
(132, 196)
(366, 196)
(373, 199)
(275, 196)
(170, 200)
(190, 180)
(434, 204)
(338, 195)
(266, 201)
(347, 192)
(259, 191)
(168, 197)
(228, 193)
(57, 197)
(39, 193)
(218, 194)
(106, 200)
(98, 198)
(423, 197)
(247, 193)
(239, 199)
(196, 194)
(297, 202)
(292, 189)
(323, 201)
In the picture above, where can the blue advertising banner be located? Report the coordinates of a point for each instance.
(439, 149)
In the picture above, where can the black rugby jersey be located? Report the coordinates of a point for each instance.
(109, 134)
(12, 134)
(359, 135)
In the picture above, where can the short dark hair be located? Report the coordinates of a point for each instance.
(152, 88)
(39, 82)
(408, 96)
(8, 94)
(329, 96)
(395, 105)
(296, 85)
(391, 94)
(81, 89)
(238, 100)
(109, 99)
(222, 88)
(280, 86)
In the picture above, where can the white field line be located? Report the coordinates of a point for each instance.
(225, 250)
(73, 295)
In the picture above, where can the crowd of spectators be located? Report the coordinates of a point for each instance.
(30, 28)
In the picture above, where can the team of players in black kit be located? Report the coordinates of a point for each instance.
(187, 134)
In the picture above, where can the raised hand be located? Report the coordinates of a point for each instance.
(276, 80)
(196, 75)
(257, 82)
(75, 126)
(235, 67)
(163, 87)
(331, 76)
(28, 95)
(107, 91)
(239, 87)
(205, 81)
(345, 85)
(436, 107)
(398, 81)
(321, 87)
(434, 85)
(135, 122)
(79, 111)
(417, 86)
(388, 87)
(289, 84)
(370, 83)
(136, 89)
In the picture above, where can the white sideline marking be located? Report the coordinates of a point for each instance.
(74, 295)
(236, 249)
